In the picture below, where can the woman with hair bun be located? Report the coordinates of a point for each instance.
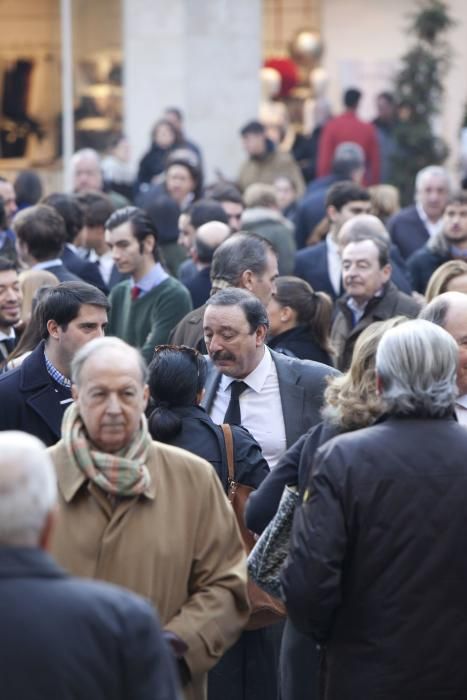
(176, 383)
(300, 320)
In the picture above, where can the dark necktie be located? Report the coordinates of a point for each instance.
(232, 415)
(9, 344)
(135, 292)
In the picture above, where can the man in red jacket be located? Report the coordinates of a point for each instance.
(348, 127)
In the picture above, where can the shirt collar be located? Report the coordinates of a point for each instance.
(7, 336)
(155, 276)
(462, 401)
(47, 263)
(56, 374)
(257, 378)
(432, 226)
(332, 245)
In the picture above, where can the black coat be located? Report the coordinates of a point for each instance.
(73, 639)
(84, 269)
(205, 439)
(299, 342)
(30, 400)
(199, 287)
(377, 566)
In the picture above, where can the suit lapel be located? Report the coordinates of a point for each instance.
(211, 387)
(292, 398)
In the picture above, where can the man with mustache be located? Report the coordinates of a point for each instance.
(449, 244)
(10, 301)
(277, 398)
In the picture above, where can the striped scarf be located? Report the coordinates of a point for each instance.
(121, 474)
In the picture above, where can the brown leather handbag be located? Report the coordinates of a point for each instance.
(265, 609)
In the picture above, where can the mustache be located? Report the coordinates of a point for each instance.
(222, 355)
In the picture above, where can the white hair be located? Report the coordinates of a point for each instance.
(28, 490)
(416, 363)
(432, 171)
(104, 345)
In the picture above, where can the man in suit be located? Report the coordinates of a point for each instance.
(370, 295)
(348, 164)
(277, 398)
(320, 265)
(69, 209)
(10, 307)
(41, 236)
(65, 637)
(412, 226)
(34, 396)
(97, 208)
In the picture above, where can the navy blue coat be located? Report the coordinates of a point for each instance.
(407, 230)
(30, 400)
(422, 264)
(73, 639)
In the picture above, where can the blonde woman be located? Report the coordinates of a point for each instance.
(449, 277)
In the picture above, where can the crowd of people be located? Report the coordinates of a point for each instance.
(145, 312)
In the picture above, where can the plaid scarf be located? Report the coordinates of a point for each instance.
(121, 474)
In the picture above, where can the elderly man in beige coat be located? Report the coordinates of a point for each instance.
(147, 516)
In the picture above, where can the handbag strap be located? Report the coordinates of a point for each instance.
(228, 437)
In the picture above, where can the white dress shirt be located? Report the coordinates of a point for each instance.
(260, 408)
(334, 264)
(433, 227)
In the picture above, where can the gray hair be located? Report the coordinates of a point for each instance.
(28, 490)
(432, 171)
(85, 153)
(416, 363)
(348, 157)
(240, 252)
(436, 311)
(104, 345)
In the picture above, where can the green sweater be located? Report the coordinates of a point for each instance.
(148, 320)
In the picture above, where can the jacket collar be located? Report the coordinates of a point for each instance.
(33, 371)
(70, 478)
(28, 562)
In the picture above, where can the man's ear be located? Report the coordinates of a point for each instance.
(246, 280)
(52, 328)
(387, 272)
(145, 396)
(331, 212)
(47, 530)
(149, 244)
(74, 392)
(261, 333)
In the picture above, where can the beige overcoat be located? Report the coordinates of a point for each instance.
(178, 545)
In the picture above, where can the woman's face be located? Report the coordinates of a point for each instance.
(179, 182)
(164, 136)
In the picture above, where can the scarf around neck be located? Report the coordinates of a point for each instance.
(121, 474)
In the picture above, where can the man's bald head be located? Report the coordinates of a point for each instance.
(208, 238)
(449, 310)
(27, 490)
(109, 350)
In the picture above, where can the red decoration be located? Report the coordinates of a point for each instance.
(288, 72)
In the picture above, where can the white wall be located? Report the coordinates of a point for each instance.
(364, 41)
(201, 56)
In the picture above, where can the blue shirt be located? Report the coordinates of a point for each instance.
(154, 277)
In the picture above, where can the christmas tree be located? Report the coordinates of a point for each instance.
(418, 89)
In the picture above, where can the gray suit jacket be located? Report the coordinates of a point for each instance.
(301, 387)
